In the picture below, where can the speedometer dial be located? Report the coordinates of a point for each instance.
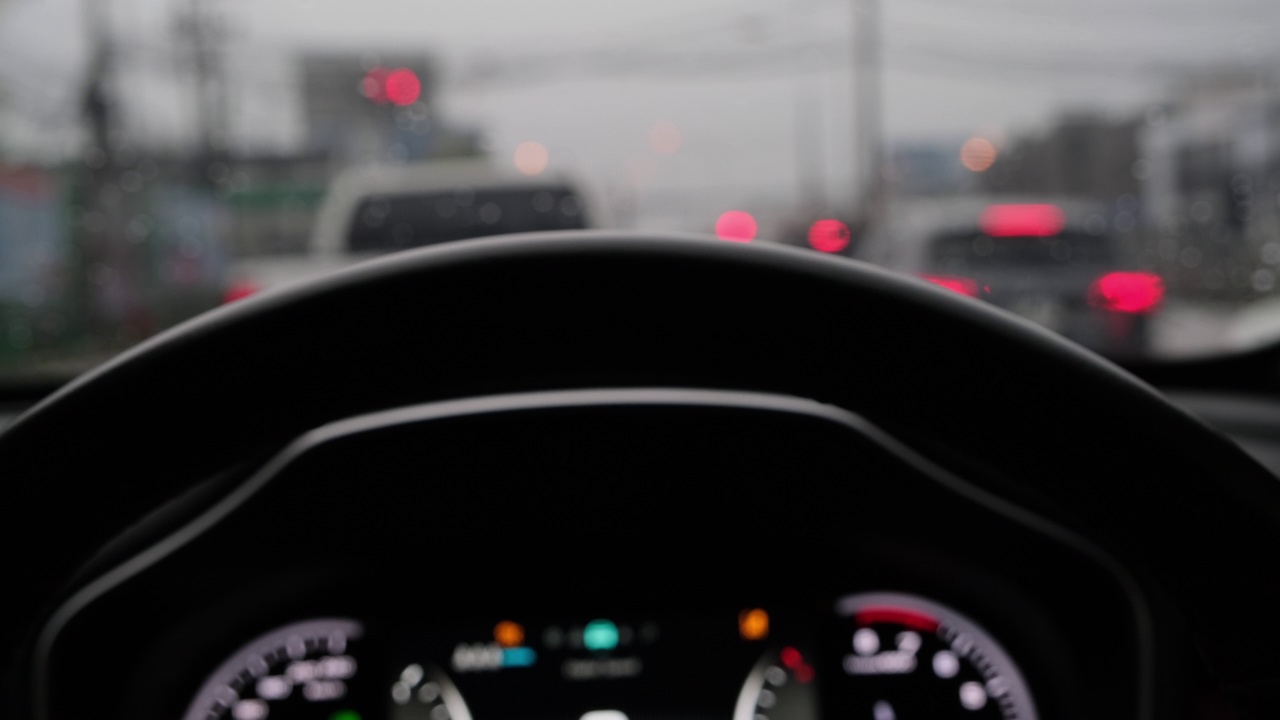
(905, 658)
(305, 670)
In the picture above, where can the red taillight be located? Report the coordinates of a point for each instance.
(1127, 292)
(962, 285)
(829, 236)
(1022, 220)
(239, 290)
(736, 226)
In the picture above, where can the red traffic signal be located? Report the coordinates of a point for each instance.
(398, 87)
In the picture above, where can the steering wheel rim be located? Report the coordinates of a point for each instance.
(580, 310)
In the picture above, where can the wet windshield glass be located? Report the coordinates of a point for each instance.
(1109, 169)
(383, 223)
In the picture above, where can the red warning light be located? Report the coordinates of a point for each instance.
(402, 86)
(829, 236)
(736, 226)
(794, 661)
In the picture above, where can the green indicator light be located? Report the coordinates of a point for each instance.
(600, 635)
(345, 715)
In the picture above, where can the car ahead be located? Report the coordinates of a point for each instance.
(1052, 261)
(377, 209)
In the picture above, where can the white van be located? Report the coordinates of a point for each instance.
(372, 210)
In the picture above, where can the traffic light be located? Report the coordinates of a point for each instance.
(400, 86)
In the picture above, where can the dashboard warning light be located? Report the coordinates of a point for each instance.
(753, 624)
(600, 635)
(508, 634)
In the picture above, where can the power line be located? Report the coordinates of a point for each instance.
(817, 54)
(203, 33)
(943, 58)
(810, 56)
(807, 57)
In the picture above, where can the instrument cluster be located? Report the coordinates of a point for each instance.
(880, 656)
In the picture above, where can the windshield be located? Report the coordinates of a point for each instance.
(383, 223)
(976, 253)
(1110, 169)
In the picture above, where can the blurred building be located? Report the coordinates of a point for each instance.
(100, 250)
(927, 168)
(1080, 155)
(33, 258)
(1212, 150)
(31, 250)
(1211, 162)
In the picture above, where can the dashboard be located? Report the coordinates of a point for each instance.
(566, 570)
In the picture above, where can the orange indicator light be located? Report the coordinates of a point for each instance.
(508, 634)
(753, 624)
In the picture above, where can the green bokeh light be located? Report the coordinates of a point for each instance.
(600, 635)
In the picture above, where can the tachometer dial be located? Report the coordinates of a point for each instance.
(904, 657)
(780, 687)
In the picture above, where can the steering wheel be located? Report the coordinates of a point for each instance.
(1029, 422)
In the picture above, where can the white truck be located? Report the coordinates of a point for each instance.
(372, 210)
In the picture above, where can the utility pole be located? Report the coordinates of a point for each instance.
(202, 33)
(96, 100)
(806, 115)
(89, 245)
(868, 172)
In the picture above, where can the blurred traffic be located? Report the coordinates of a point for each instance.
(159, 158)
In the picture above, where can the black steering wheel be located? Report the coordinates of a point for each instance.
(1026, 420)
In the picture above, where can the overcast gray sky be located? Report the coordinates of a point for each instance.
(753, 117)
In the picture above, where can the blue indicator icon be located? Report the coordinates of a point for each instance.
(518, 657)
(600, 635)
